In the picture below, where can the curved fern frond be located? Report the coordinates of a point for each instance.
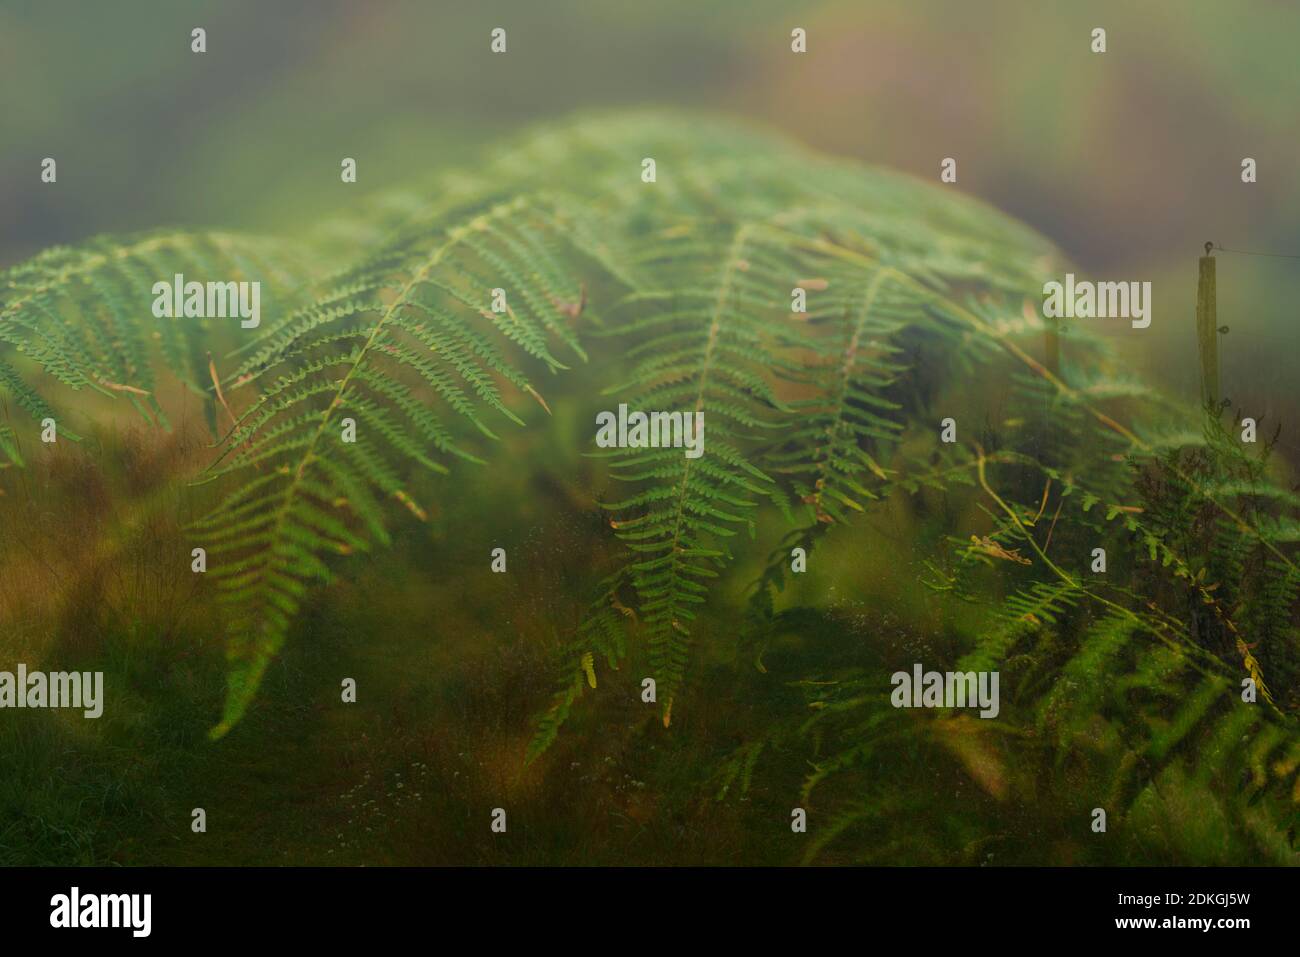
(717, 339)
(408, 335)
(827, 453)
(794, 403)
(84, 313)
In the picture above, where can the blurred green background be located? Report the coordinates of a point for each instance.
(1128, 160)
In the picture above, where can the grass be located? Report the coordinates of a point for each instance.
(451, 661)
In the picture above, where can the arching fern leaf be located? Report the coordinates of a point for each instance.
(402, 343)
(84, 315)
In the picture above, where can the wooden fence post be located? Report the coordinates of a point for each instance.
(1207, 331)
(1052, 345)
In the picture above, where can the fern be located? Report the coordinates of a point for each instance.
(1131, 693)
(681, 289)
(718, 250)
(83, 314)
(602, 632)
(712, 349)
(410, 333)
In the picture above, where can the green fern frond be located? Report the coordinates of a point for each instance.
(411, 334)
(83, 314)
(714, 346)
(603, 632)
